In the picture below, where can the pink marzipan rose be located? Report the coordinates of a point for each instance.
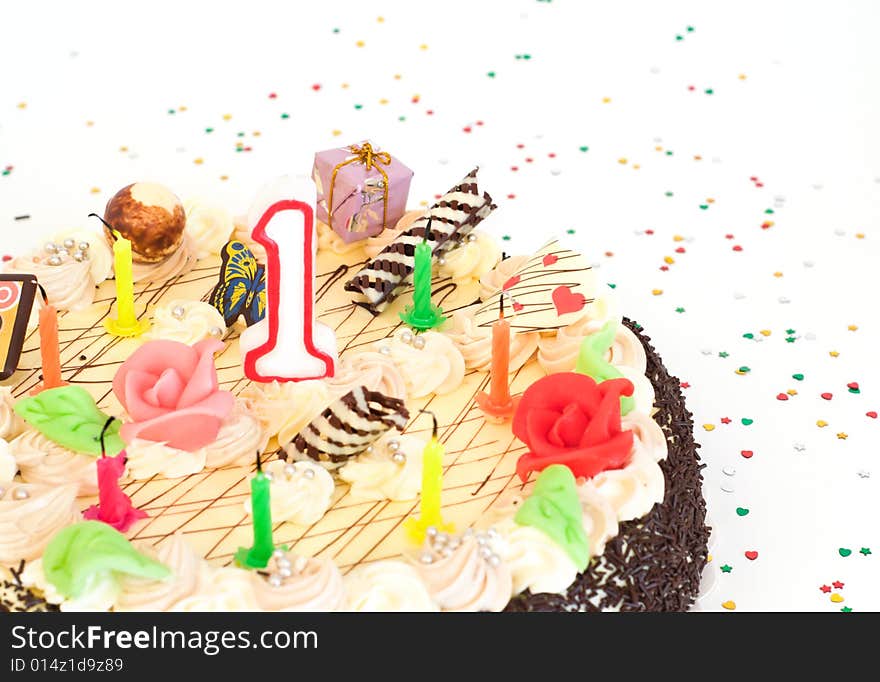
(170, 391)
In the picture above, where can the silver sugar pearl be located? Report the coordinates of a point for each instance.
(50, 247)
(276, 580)
(398, 458)
(289, 470)
(494, 560)
(216, 332)
(278, 554)
(431, 531)
(441, 539)
(485, 552)
(441, 261)
(62, 252)
(54, 260)
(392, 445)
(178, 312)
(282, 562)
(472, 237)
(482, 540)
(78, 256)
(406, 336)
(369, 449)
(20, 494)
(285, 572)
(83, 246)
(426, 558)
(69, 243)
(309, 474)
(419, 342)
(385, 350)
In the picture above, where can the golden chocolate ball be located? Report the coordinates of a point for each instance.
(150, 216)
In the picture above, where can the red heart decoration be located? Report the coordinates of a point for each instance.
(467, 129)
(751, 555)
(512, 282)
(566, 301)
(782, 396)
(826, 396)
(854, 385)
(746, 453)
(871, 414)
(517, 306)
(550, 259)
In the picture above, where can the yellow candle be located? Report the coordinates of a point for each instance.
(126, 322)
(432, 485)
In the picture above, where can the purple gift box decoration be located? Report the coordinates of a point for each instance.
(361, 191)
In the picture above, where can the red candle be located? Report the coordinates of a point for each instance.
(114, 507)
(499, 405)
(50, 354)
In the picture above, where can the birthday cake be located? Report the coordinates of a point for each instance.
(465, 432)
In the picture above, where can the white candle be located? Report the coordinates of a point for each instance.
(287, 344)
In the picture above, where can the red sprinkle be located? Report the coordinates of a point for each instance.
(782, 396)
(551, 155)
(685, 384)
(479, 123)
(649, 231)
(737, 248)
(529, 159)
(429, 112)
(853, 385)
(746, 453)
(6, 258)
(316, 87)
(272, 95)
(872, 414)
(751, 555)
(728, 236)
(826, 396)
(510, 196)
(680, 249)
(514, 168)
(520, 146)
(467, 129)
(664, 268)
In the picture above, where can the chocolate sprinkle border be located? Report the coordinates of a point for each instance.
(655, 563)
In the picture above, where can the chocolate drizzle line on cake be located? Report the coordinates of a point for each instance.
(655, 563)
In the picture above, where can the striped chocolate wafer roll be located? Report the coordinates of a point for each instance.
(452, 218)
(348, 427)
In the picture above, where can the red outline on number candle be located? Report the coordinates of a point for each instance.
(273, 292)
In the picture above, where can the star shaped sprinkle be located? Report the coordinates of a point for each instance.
(837, 585)
(679, 310)
(685, 384)
(723, 354)
(833, 353)
(826, 588)
(725, 420)
(846, 609)
(800, 447)
(727, 569)
(864, 474)
(790, 339)
(842, 435)
(789, 331)
(865, 551)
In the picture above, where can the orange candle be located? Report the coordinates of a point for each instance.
(498, 405)
(50, 354)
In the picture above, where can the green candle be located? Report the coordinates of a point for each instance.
(258, 556)
(423, 314)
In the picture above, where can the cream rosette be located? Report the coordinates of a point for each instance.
(11, 425)
(8, 465)
(299, 492)
(186, 321)
(297, 583)
(99, 254)
(492, 281)
(40, 460)
(536, 562)
(371, 369)
(285, 408)
(99, 594)
(30, 514)
(220, 590)
(208, 226)
(558, 351)
(178, 263)
(475, 343)
(240, 436)
(388, 585)
(146, 594)
(69, 286)
(463, 573)
(473, 259)
(373, 246)
(328, 240)
(429, 362)
(391, 469)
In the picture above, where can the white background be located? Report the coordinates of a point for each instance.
(804, 120)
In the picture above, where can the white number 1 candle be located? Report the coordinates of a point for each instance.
(287, 344)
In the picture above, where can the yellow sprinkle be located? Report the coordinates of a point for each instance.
(678, 238)
(380, 19)
(656, 292)
(90, 123)
(742, 76)
(606, 100)
(423, 203)
(383, 101)
(668, 259)
(199, 161)
(658, 148)
(698, 158)
(22, 105)
(770, 223)
(739, 371)
(257, 133)
(344, 86)
(730, 605)
(224, 178)
(791, 391)
(837, 597)
(636, 166)
(821, 423)
(833, 353)
(360, 43)
(181, 108)
(708, 558)
(621, 160)
(337, 133)
(842, 436)
(710, 201)
(860, 235)
(123, 149)
(227, 117)
(423, 47)
(397, 76)
(709, 427)
(95, 190)
(766, 332)
(852, 327)
(777, 274)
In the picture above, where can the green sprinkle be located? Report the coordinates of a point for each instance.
(491, 74)
(789, 331)
(748, 335)
(790, 339)
(171, 112)
(613, 286)
(797, 377)
(570, 230)
(283, 116)
(669, 152)
(679, 37)
(584, 148)
(723, 354)
(865, 551)
(401, 118)
(679, 310)
(710, 91)
(239, 134)
(505, 237)
(844, 552)
(690, 29)
(527, 57)
(704, 206)
(769, 211)
(846, 609)
(745, 369)
(747, 422)
(335, 30)
(669, 194)
(726, 568)
(855, 391)
(358, 106)
(742, 511)
(209, 130)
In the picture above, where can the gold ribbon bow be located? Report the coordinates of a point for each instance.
(371, 159)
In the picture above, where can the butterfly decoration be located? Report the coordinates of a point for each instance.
(242, 286)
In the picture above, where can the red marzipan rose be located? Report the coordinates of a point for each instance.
(567, 418)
